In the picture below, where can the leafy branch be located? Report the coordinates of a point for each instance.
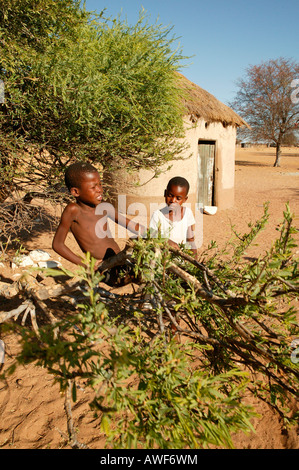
(170, 362)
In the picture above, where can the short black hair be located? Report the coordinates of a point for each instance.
(73, 173)
(179, 181)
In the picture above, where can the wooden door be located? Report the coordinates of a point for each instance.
(206, 170)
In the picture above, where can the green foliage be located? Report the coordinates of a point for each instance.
(245, 310)
(150, 391)
(81, 86)
(147, 392)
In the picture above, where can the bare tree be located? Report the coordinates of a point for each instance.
(265, 99)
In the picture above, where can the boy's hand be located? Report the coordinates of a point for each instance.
(97, 263)
(173, 244)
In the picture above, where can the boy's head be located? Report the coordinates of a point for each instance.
(176, 191)
(74, 174)
(83, 181)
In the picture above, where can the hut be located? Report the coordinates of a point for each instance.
(209, 163)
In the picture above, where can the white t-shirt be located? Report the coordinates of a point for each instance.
(175, 230)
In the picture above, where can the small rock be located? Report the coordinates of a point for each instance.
(39, 255)
(21, 261)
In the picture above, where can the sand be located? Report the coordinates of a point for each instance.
(31, 406)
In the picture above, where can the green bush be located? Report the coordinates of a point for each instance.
(154, 392)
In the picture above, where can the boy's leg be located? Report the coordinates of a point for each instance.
(119, 275)
(112, 275)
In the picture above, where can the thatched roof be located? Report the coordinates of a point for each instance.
(201, 104)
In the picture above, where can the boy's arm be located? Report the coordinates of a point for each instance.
(134, 227)
(58, 243)
(191, 239)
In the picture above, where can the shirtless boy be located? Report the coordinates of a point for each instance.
(85, 219)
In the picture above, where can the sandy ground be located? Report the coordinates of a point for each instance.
(31, 407)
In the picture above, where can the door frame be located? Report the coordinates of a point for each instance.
(200, 176)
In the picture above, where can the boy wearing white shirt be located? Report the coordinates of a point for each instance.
(174, 221)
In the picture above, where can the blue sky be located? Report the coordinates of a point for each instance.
(221, 38)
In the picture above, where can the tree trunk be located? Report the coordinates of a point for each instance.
(278, 153)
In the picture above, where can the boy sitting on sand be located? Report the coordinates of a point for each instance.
(86, 219)
(174, 221)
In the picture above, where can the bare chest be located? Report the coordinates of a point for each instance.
(88, 224)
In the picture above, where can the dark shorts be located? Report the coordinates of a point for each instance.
(119, 275)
